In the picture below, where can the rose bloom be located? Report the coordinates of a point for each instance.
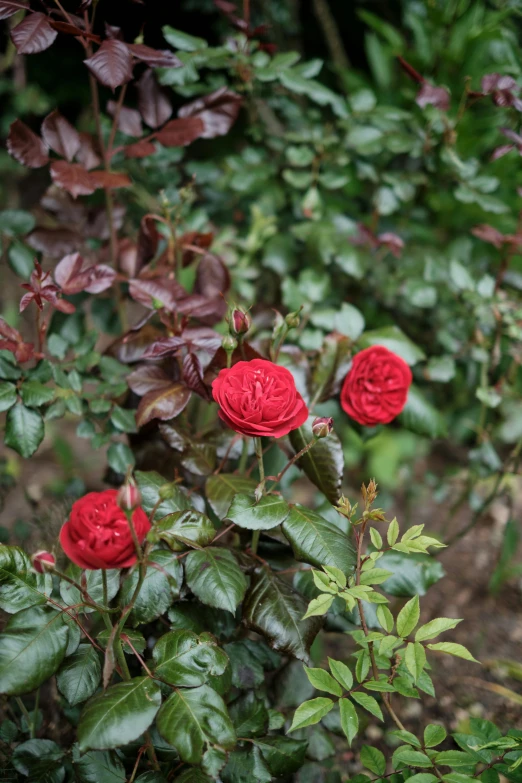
(97, 533)
(259, 398)
(376, 387)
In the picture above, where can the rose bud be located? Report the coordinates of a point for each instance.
(129, 496)
(322, 426)
(43, 560)
(229, 344)
(239, 322)
(293, 320)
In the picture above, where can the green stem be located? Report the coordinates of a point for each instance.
(244, 457)
(35, 714)
(294, 459)
(258, 445)
(25, 713)
(105, 588)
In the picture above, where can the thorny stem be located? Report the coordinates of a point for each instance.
(385, 696)
(295, 458)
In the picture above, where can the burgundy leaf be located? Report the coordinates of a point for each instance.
(391, 242)
(512, 136)
(148, 240)
(434, 96)
(212, 277)
(33, 34)
(153, 103)
(129, 120)
(98, 224)
(178, 133)
(10, 7)
(496, 81)
(87, 154)
(128, 257)
(193, 376)
(156, 58)
(219, 111)
(9, 332)
(72, 29)
(42, 289)
(194, 239)
(163, 404)
(142, 149)
(112, 31)
(131, 347)
(73, 178)
(109, 179)
(63, 207)
(14, 342)
(202, 338)
(499, 152)
(219, 360)
(197, 306)
(101, 277)
(67, 274)
(410, 70)
(25, 146)
(161, 291)
(489, 234)
(166, 346)
(148, 377)
(111, 64)
(60, 135)
(54, 242)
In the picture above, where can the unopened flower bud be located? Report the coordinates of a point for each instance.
(167, 491)
(229, 344)
(43, 560)
(239, 322)
(293, 320)
(322, 426)
(129, 496)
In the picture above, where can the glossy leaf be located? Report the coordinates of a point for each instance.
(20, 586)
(283, 755)
(215, 577)
(10, 7)
(221, 488)
(324, 463)
(97, 765)
(80, 674)
(191, 718)
(217, 111)
(24, 430)
(118, 715)
(154, 105)
(160, 588)
(322, 681)
(180, 132)
(163, 404)
(311, 712)
(33, 34)
(317, 541)
(73, 178)
(395, 340)
(349, 719)
(274, 609)
(111, 64)
(184, 528)
(60, 135)
(32, 646)
(25, 146)
(151, 484)
(249, 715)
(266, 513)
(185, 659)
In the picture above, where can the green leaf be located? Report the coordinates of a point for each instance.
(34, 394)
(407, 736)
(123, 419)
(373, 759)
(191, 718)
(295, 82)
(249, 715)
(32, 646)
(376, 538)
(150, 484)
(422, 417)
(311, 712)
(20, 586)
(283, 755)
(415, 659)
(434, 735)
(120, 457)
(266, 513)
(183, 41)
(79, 675)
(404, 755)
(385, 618)
(245, 766)
(435, 627)
(322, 681)
(318, 606)
(317, 541)
(184, 528)
(342, 673)
(408, 617)
(40, 760)
(220, 490)
(215, 577)
(458, 777)
(393, 532)
(413, 574)
(118, 715)
(324, 463)
(214, 759)
(395, 340)
(132, 637)
(24, 430)
(184, 658)
(454, 758)
(21, 260)
(423, 777)
(16, 221)
(375, 576)
(96, 766)
(160, 588)
(349, 719)
(367, 702)
(457, 650)
(275, 610)
(7, 395)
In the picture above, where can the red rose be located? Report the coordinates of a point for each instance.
(376, 387)
(97, 533)
(259, 398)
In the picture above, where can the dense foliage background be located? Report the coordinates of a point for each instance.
(355, 167)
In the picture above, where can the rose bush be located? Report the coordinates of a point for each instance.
(259, 398)
(376, 387)
(97, 533)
